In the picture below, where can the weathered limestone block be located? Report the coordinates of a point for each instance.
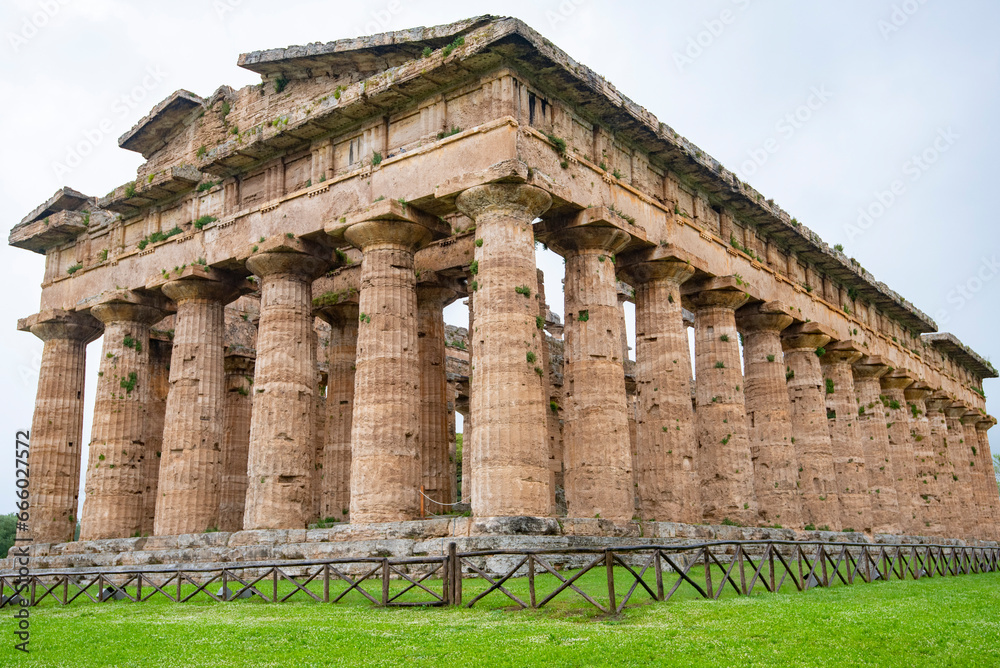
(239, 368)
(769, 413)
(875, 442)
(598, 475)
(509, 449)
(279, 464)
(666, 444)
(845, 438)
(725, 465)
(191, 465)
(335, 498)
(159, 365)
(813, 448)
(434, 437)
(901, 446)
(385, 427)
(962, 466)
(57, 425)
(114, 507)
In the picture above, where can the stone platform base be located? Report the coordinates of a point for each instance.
(411, 539)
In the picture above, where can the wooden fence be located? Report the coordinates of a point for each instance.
(650, 572)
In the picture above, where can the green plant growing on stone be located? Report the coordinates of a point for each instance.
(202, 150)
(201, 222)
(129, 384)
(426, 53)
(539, 322)
(770, 358)
(474, 267)
(523, 290)
(820, 352)
(554, 407)
(72, 269)
(444, 134)
(724, 338)
(720, 365)
(583, 316)
(376, 159)
(459, 41)
(479, 243)
(130, 190)
(530, 356)
(364, 317)
(280, 84)
(829, 386)
(789, 374)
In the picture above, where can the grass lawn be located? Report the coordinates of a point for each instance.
(952, 621)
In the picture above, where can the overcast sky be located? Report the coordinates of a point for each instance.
(826, 107)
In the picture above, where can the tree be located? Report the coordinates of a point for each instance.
(8, 528)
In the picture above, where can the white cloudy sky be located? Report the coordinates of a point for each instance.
(895, 76)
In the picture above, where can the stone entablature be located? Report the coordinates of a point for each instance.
(339, 182)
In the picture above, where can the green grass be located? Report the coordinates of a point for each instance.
(939, 621)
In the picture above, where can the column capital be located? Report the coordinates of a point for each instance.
(60, 324)
(764, 317)
(971, 416)
(870, 367)
(717, 292)
(128, 305)
(661, 262)
(338, 314)
(918, 391)
(956, 409)
(202, 283)
(240, 360)
(517, 199)
(937, 401)
(842, 352)
(986, 422)
(897, 379)
(806, 336)
(595, 238)
(284, 255)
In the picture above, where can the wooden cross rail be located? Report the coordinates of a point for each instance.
(705, 569)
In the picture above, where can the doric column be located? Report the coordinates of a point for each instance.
(666, 445)
(849, 462)
(769, 414)
(385, 427)
(319, 441)
(963, 467)
(57, 424)
(598, 456)
(631, 398)
(984, 424)
(113, 507)
(875, 442)
(342, 353)
(901, 445)
(811, 434)
(434, 437)
(160, 350)
(981, 477)
(279, 463)
(509, 449)
(724, 461)
(926, 496)
(187, 499)
(236, 412)
(553, 424)
(939, 468)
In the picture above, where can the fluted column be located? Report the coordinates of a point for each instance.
(239, 368)
(962, 466)
(187, 499)
(385, 427)
(769, 414)
(926, 501)
(939, 467)
(114, 507)
(901, 446)
(509, 448)
(666, 452)
(811, 434)
(984, 424)
(724, 460)
(631, 398)
(874, 438)
(981, 478)
(434, 437)
(57, 424)
(553, 425)
(341, 355)
(279, 463)
(598, 456)
(849, 462)
(159, 365)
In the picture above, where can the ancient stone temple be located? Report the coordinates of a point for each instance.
(270, 291)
